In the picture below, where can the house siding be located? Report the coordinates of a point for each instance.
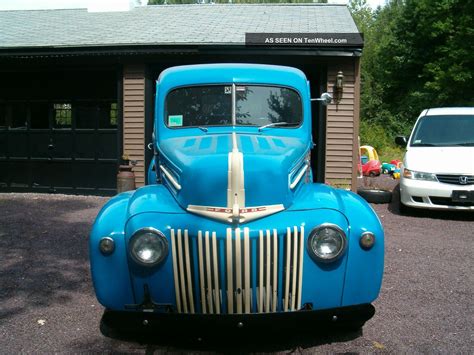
(134, 118)
(342, 126)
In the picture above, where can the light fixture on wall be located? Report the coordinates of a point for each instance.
(338, 87)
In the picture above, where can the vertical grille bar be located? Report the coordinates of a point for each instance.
(208, 273)
(267, 273)
(188, 272)
(260, 273)
(181, 272)
(294, 270)
(175, 272)
(238, 274)
(216, 289)
(300, 267)
(238, 270)
(275, 271)
(201, 274)
(247, 266)
(287, 269)
(230, 283)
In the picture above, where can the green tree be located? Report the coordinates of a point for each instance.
(417, 54)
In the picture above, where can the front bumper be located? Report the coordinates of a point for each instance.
(144, 322)
(432, 195)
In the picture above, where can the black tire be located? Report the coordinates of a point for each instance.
(375, 196)
(403, 209)
(372, 174)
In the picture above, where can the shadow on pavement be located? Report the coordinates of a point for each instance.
(43, 252)
(237, 341)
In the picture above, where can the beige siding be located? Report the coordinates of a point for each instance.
(134, 118)
(342, 126)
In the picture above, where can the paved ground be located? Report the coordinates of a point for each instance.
(47, 302)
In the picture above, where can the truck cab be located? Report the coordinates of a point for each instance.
(231, 225)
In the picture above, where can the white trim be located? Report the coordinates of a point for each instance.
(299, 176)
(170, 178)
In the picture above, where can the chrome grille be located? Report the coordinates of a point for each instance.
(238, 272)
(455, 179)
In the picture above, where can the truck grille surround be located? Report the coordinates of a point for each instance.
(238, 273)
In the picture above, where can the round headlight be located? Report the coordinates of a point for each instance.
(106, 245)
(326, 242)
(148, 247)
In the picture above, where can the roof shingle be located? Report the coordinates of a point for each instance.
(167, 25)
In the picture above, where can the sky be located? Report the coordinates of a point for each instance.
(102, 4)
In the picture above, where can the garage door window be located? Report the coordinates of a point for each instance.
(62, 115)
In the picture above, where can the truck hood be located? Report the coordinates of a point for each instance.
(233, 174)
(440, 160)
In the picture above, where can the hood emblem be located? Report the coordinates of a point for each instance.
(235, 211)
(463, 180)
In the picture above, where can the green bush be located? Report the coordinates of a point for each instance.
(377, 136)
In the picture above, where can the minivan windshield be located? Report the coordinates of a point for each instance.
(245, 105)
(444, 131)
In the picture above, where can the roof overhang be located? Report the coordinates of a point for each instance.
(134, 50)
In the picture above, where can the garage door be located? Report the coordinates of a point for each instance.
(58, 146)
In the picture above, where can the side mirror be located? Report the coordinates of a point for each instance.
(401, 141)
(326, 98)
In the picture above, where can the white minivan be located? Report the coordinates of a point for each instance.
(438, 167)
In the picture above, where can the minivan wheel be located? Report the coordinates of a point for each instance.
(375, 196)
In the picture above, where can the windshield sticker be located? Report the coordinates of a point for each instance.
(175, 120)
(227, 90)
(417, 141)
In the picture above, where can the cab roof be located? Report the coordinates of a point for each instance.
(188, 75)
(448, 111)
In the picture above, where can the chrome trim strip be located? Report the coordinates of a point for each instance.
(216, 289)
(247, 266)
(208, 273)
(188, 271)
(230, 291)
(287, 269)
(181, 272)
(300, 267)
(299, 176)
(170, 178)
(293, 275)
(201, 274)
(275, 271)
(175, 272)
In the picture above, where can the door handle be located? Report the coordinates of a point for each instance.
(51, 146)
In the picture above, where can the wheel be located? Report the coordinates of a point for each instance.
(375, 196)
(372, 174)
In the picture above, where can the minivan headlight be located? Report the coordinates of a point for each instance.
(148, 246)
(326, 243)
(418, 175)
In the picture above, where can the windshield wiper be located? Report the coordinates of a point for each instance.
(471, 144)
(274, 124)
(424, 145)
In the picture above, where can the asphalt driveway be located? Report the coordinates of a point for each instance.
(47, 303)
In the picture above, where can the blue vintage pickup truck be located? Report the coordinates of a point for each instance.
(231, 229)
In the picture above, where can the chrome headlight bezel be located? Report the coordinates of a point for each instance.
(140, 233)
(316, 233)
(419, 175)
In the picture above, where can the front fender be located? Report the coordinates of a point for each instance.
(110, 275)
(364, 270)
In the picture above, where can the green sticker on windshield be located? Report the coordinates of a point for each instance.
(175, 120)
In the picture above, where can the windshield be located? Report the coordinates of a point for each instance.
(444, 131)
(212, 105)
